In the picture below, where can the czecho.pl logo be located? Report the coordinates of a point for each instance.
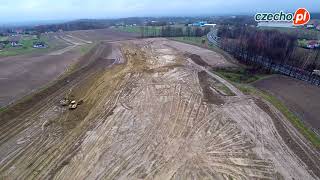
(300, 17)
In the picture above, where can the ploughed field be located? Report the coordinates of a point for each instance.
(20, 75)
(151, 110)
(299, 96)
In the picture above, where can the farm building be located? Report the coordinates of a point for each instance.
(313, 44)
(15, 44)
(39, 45)
(14, 41)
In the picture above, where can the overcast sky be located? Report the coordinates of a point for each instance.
(31, 10)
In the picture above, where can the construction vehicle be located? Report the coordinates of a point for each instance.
(73, 105)
(316, 72)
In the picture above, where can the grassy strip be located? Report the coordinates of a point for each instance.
(223, 88)
(147, 30)
(130, 29)
(241, 75)
(249, 89)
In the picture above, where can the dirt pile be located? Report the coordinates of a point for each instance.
(150, 118)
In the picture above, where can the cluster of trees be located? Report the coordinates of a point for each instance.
(271, 46)
(85, 24)
(73, 25)
(173, 31)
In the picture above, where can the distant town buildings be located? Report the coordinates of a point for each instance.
(202, 24)
(310, 26)
(275, 24)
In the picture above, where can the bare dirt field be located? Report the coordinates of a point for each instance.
(102, 35)
(300, 97)
(150, 112)
(21, 75)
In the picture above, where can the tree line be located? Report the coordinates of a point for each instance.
(272, 46)
(173, 31)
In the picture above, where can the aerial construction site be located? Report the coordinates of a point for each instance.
(150, 109)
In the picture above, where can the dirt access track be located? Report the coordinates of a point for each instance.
(20, 75)
(159, 115)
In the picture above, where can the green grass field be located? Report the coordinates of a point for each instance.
(131, 29)
(199, 41)
(148, 30)
(27, 46)
(3, 38)
(241, 75)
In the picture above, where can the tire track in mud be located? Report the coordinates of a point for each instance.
(152, 120)
(310, 158)
(22, 108)
(161, 136)
(31, 119)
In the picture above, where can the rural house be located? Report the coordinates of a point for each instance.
(39, 45)
(15, 44)
(313, 44)
(14, 41)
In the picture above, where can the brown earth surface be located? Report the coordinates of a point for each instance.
(151, 117)
(300, 97)
(102, 35)
(24, 74)
(20, 75)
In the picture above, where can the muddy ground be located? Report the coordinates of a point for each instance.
(300, 97)
(20, 75)
(148, 114)
(24, 74)
(103, 35)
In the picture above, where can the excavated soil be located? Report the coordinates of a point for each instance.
(154, 114)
